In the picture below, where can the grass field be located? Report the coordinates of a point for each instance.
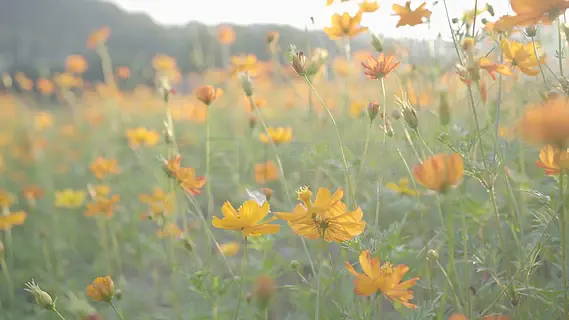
(376, 190)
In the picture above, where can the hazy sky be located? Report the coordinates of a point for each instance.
(298, 12)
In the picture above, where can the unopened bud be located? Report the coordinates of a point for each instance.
(246, 83)
(7, 80)
(454, 20)
(565, 29)
(252, 121)
(468, 44)
(396, 114)
(531, 31)
(298, 60)
(118, 294)
(389, 128)
(410, 117)
(372, 110)
(42, 298)
(268, 193)
(264, 290)
(248, 297)
(294, 265)
(444, 110)
(490, 9)
(377, 43)
(432, 255)
(1, 250)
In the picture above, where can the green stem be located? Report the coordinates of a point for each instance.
(242, 280)
(116, 310)
(344, 160)
(363, 158)
(560, 47)
(208, 162)
(9, 284)
(562, 220)
(58, 314)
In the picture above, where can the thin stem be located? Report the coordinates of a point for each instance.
(319, 281)
(347, 171)
(282, 176)
(363, 158)
(539, 64)
(116, 310)
(208, 161)
(58, 314)
(450, 284)
(560, 48)
(9, 283)
(242, 280)
(562, 220)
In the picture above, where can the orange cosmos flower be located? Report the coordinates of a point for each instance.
(345, 25)
(45, 86)
(32, 192)
(552, 160)
(225, 35)
(159, 202)
(229, 249)
(380, 67)
(123, 72)
(76, 64)
(208, 94)
(171, 230)
(98, 37)
(546, 123)
(277, 135)
(530, 12)
(266, 172)
(66, 80)
(13, 219)
(248, 219)
(410, 17)
(102, 166)
(102, 205)
(325, 218)
(247, 63)
(186, 177)
(102, 289)
(439, 172)
(383, 278)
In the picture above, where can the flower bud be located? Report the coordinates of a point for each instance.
(264, 290)
(410, 117)
(294, 265)
(468, 44)
(42, 298)
(377, 43)
(7, 80)
(454, 20)
(531, 31)
(372, 110)
(396, 114)
(2, 249)
(432, 255)
(444, 109)
(252, 121)
(299, 61)
(490, 9)
(246, 83)
(268, 193)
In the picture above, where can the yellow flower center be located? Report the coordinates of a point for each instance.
(305, 195)
(386, 269)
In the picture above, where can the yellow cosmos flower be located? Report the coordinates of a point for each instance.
(6, 199)
(384, 278)
(277, 135)
(102, 289)
(369, 7)
(69, 198)
(530, 12)
(13, 219)
(248, 219)
(142, 137)
(402, 187)
(326, 217)
(439, 172)
(43, 120)
(344, 25)
(266, 172)
(409, 17)
(229, 249)
(521, 56)
(159, 202)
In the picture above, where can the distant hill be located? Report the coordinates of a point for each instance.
(38, 34)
